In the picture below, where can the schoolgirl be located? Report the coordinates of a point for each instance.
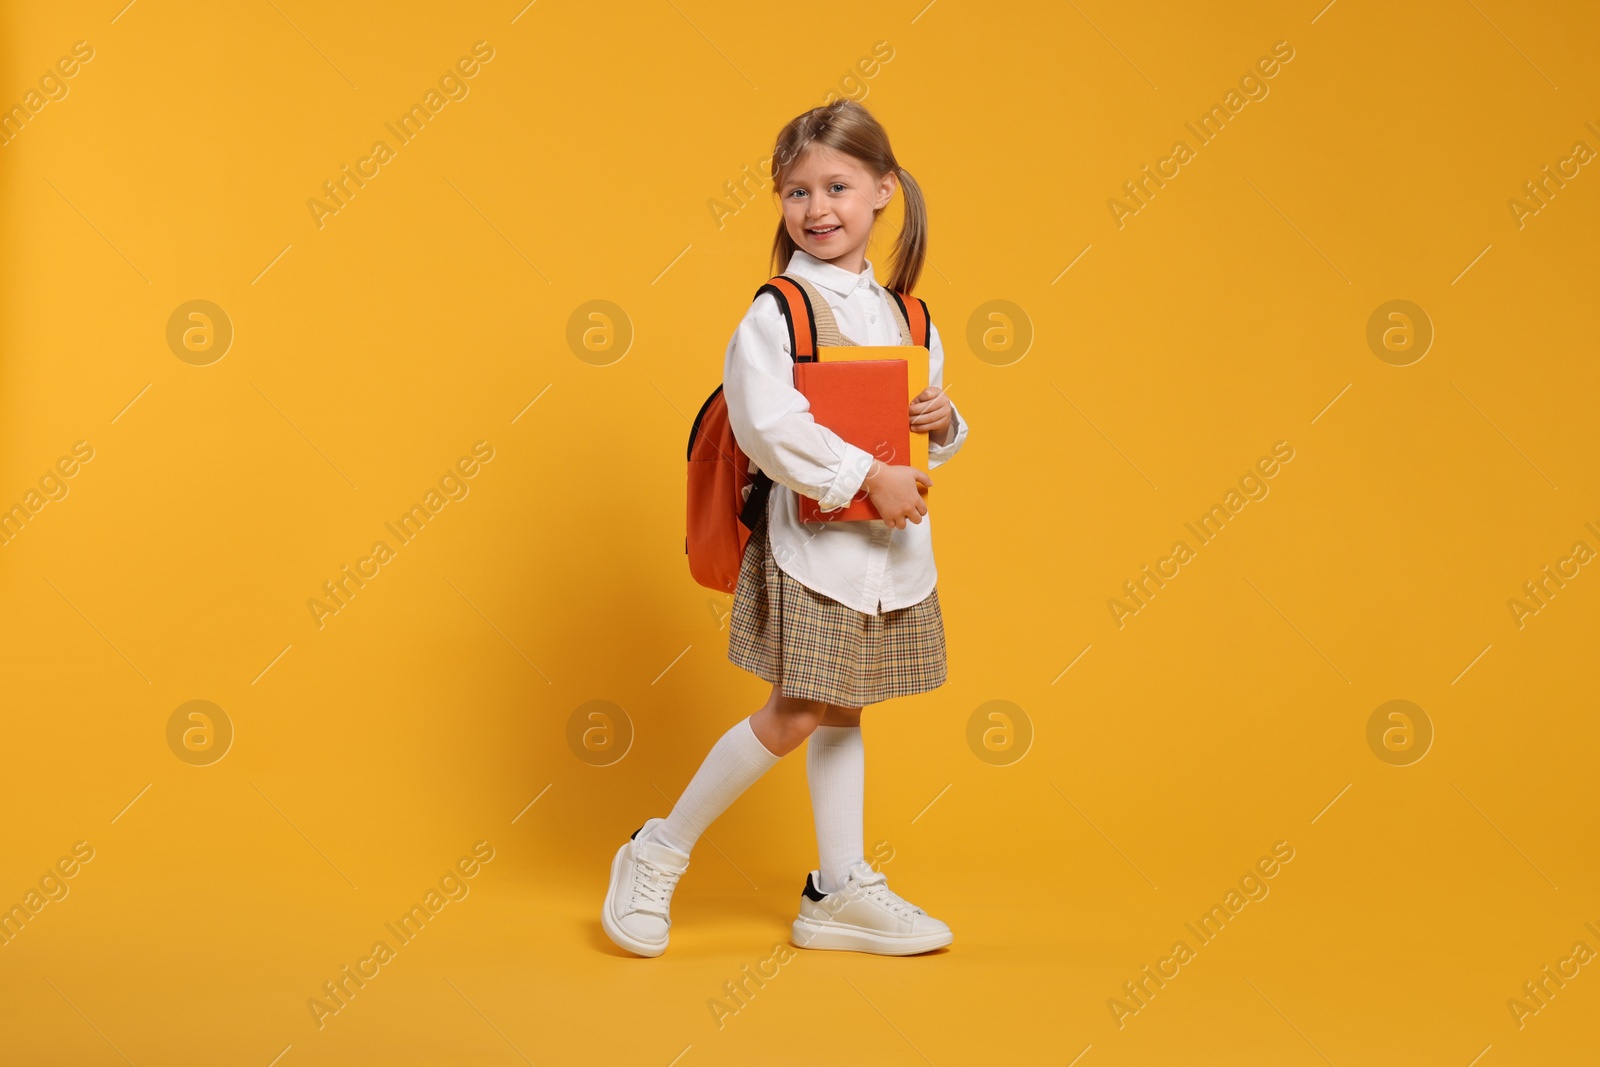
(835, 615)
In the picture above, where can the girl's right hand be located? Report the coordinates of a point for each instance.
(896, 491)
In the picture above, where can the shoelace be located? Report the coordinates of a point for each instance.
(653, 885)
(876, 887)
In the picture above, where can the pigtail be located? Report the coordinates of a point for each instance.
(783, 249)
(911, 247)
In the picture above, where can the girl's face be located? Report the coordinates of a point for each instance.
(828, 203)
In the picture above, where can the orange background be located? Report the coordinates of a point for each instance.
(1134, 375)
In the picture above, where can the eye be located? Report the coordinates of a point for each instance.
(838, 185)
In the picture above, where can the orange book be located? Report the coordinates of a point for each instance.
(862, 393)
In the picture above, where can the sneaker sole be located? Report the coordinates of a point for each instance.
(617, 934)
(808, 933)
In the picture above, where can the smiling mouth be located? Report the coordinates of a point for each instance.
(823, 231)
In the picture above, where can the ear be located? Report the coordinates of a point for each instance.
(886, 189)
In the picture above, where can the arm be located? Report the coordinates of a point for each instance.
(772, 420)
(939, 454)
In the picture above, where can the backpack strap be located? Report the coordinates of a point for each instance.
(798, 316)
(914, 318)
(795, 304)
(826, 327)
(811, 323)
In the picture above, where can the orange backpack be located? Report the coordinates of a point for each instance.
(727, 492)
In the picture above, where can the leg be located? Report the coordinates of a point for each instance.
(836, 774)
(646, 869)
(857, 912)
(750, 748)
(783, 722)
(838, 716)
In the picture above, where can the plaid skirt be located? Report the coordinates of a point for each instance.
(816, 648)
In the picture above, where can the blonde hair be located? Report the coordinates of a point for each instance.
(847, 127)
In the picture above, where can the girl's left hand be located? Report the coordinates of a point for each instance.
(931, 414)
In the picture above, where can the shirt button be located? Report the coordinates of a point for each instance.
(873, 319)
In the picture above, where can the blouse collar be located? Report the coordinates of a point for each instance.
(829, 276)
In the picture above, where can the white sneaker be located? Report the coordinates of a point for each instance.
(637, 911)
(865, 916)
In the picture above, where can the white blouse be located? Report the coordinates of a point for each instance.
(867, 565)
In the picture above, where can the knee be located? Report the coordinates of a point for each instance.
(805, 715)
(798, 717)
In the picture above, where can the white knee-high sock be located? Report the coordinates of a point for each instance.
(836, 772)
(732, 766)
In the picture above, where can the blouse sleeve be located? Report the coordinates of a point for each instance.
(772, 420)
(938, 454)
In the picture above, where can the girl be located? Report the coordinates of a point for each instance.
(835, 615)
